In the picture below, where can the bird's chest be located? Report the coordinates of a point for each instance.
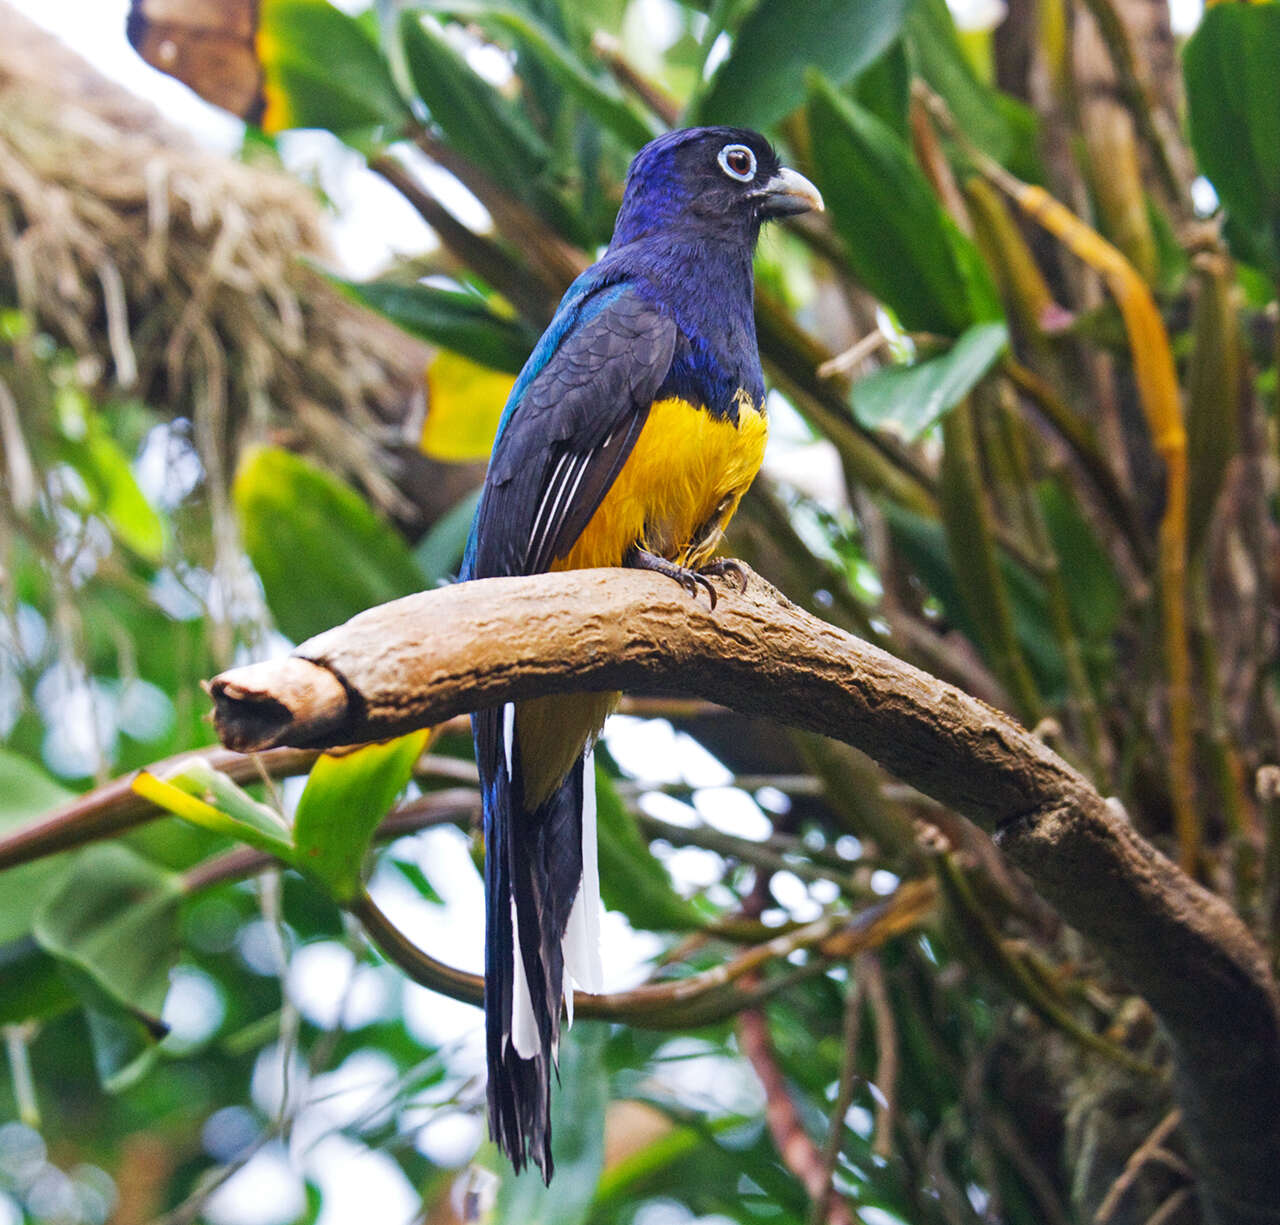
(680, 485)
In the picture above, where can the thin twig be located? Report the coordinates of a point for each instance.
(844, 1098)
(1133, 1167)
(871, 974)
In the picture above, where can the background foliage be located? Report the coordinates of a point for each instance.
(1024, 380)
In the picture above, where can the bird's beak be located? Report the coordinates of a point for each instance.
(787, 194)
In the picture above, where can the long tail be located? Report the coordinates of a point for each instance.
(542, 907)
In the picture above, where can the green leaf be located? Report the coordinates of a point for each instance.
(597, 95)
(345, 799)
(205, 798)
(112, 923)
(99, 459)
(631, 879)
(901, 243)
(477, 120)
(909, 399)
(26, 792)
(884, 89)
(762, 77)
(322, 70)
(449, 317)
(321, 552)
(578, 1106)
(1094, 590)
(998, 124)
(29, 982)
(1232, 70)
(439, 552)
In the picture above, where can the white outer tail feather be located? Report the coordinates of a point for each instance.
(581, 942)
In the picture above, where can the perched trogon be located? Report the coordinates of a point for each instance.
(629, 438)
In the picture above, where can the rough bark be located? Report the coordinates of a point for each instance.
(428, 657)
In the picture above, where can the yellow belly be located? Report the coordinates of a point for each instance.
(678, 489)
(674, 496)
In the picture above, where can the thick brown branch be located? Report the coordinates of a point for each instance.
(429, 657)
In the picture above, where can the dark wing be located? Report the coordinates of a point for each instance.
(570, 432)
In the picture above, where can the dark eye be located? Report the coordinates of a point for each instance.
(738, 162)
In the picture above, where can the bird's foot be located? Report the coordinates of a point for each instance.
(641, 559)
(727, 567)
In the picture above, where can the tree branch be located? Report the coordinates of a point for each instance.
(431, 656)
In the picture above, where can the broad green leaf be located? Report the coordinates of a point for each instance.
(762, 78)
(477, 120)
(345, 799)
(322, 70)
(1232, 70)
(464, 404)
(29, 982)
(998, 124)
(112, 923)
(909, 399)
(599, 96)
(458, 321)
(631, 879)
(439, 552)
(98, 458)
(578, 1105)
(1094, 590)
(902, 245)
(26, 792)
(321, 552)
(884, 89)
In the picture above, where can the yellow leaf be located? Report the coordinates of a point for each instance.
(465, 403)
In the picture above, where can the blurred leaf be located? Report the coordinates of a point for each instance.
(418, 879)
(1213, 394)
(1094, 590)
(597, 95)
(1232, 69)
(998, 124)
(322, 70)
(464, 404)
(909, 399)
(631, 879)
(577, 1130)
(344, 801)
(30, 985)
(885, 89)
(113, 924)
(106, 470)
(478, 121)
(26, 792)
(321, 552)
(762, 77)
(902, 245)
(449, 317)
(439, 552)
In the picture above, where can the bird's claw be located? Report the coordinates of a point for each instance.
(727, 567)
(689, 579)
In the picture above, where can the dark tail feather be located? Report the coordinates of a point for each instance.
(533, 867)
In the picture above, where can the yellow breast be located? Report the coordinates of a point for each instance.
(679, 487)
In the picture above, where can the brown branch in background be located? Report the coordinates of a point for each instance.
(798, 1152)
(116, 808)
(871, 975)
(844, 1098)
(1133, 1167)
(429, 657)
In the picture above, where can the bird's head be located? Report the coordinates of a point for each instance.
(712, 182)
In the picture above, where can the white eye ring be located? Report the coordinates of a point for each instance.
(732, 153)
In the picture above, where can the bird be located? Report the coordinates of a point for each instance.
(628, 439)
